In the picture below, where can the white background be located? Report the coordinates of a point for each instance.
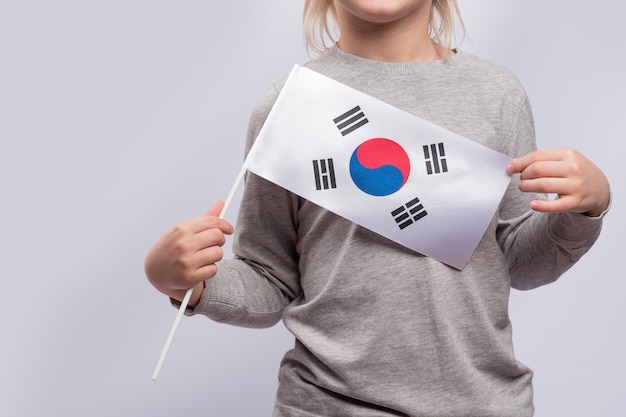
(120, 118)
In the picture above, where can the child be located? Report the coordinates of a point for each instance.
(379, 329)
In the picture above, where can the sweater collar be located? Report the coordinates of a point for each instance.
(361, 64)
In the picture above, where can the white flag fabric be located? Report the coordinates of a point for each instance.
(402, 177)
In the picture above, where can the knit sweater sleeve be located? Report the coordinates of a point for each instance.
(245, 292)
(539, 247)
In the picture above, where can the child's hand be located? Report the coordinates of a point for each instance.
(185, 256)
(580, 185)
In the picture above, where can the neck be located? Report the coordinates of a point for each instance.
(390, 50)
(404, 40)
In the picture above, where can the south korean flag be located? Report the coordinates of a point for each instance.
(407, 179)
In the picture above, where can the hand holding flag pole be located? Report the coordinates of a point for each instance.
(185, 301)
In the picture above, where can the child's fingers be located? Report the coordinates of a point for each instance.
(216, 210)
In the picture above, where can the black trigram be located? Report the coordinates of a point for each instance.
(409, 213)
(350, 120)
(324, 173)
(435, 156)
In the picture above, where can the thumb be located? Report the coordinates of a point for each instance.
(216, 210)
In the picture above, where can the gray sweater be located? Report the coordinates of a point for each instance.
(379, 329)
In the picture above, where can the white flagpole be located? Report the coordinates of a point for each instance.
(185, 302)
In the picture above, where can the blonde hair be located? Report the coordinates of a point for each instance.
(319, 30)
